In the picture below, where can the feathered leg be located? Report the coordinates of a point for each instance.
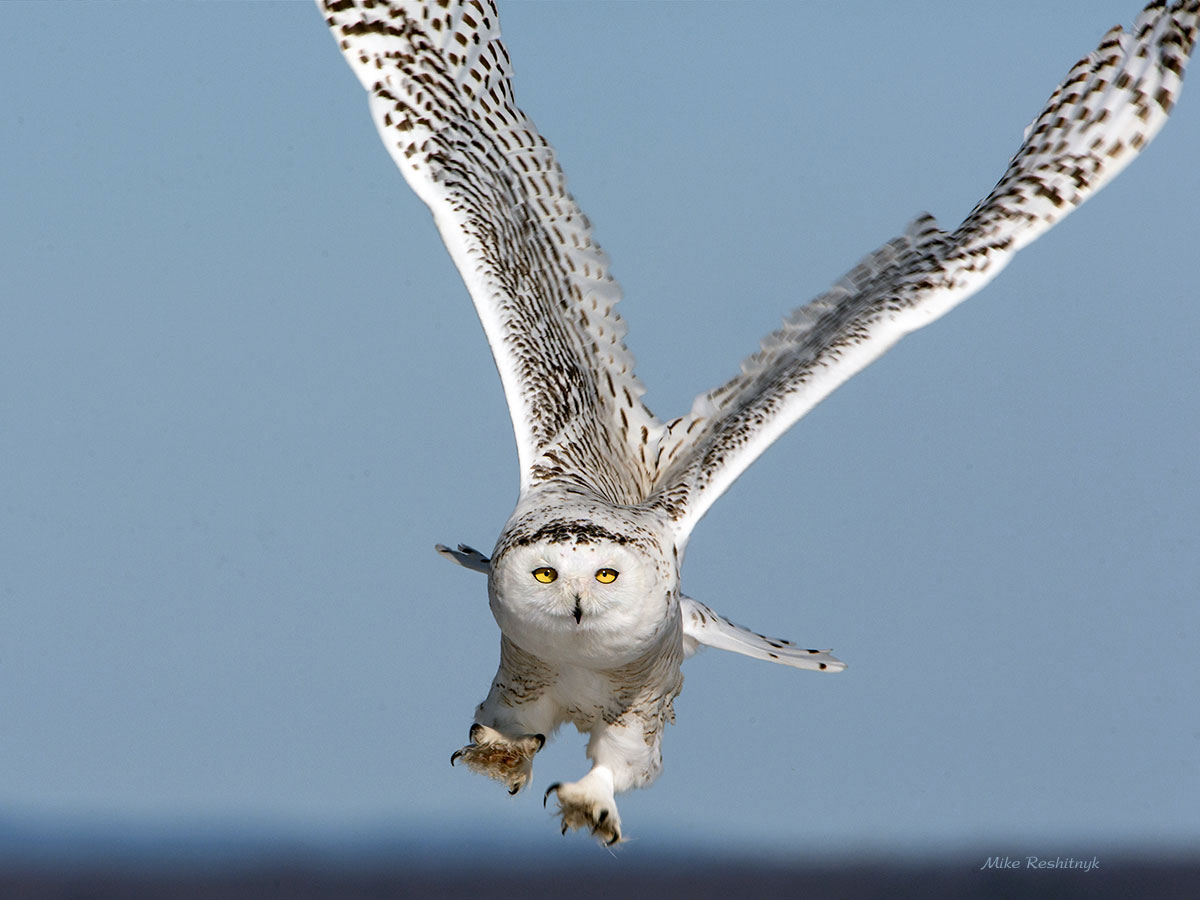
(512, 723)
(625, 743)
(624, 757)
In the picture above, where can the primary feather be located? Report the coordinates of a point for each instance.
(1107, 109)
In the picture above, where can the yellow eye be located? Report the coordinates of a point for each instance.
(545, 574)
(606, 576)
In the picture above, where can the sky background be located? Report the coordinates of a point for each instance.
(243, 393)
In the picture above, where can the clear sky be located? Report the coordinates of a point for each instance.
(243, 393)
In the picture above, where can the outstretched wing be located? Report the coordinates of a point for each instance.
(439, 81)
(1109, 107)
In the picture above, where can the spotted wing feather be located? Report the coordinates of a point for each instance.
(1108, 108)
(440, 86)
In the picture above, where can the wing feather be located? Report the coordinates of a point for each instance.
(1111, 104)
(440, 86)
(703, 627)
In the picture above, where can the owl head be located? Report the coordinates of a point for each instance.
(577, 589)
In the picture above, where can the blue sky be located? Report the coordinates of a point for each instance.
(243, 393)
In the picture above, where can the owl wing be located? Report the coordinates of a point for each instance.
(440, 86)
(1107, 109)
(702, 627)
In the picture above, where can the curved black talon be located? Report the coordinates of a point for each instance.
(546, 796)
(513, 790)
(616, 838)
(474, 733)
(603, 815)
(456, 754)
(541, 739)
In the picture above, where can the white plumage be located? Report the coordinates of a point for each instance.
(584, 579)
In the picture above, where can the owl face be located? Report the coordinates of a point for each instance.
(578, 598)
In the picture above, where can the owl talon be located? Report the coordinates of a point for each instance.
(588, 803)
(508, 760)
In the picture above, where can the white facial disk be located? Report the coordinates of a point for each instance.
(573, 599)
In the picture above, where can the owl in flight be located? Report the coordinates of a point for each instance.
(584, 578)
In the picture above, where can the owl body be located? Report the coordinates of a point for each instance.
(586, 594)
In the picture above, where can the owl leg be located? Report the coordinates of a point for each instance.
(623, 757)
(512, 723)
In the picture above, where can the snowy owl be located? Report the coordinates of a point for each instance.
(584, 578)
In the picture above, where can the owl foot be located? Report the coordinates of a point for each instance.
(588, 803)
(508, 760)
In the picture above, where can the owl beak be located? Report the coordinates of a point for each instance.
(578, 611)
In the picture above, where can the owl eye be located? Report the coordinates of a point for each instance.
(606, 576)
(545, 574)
